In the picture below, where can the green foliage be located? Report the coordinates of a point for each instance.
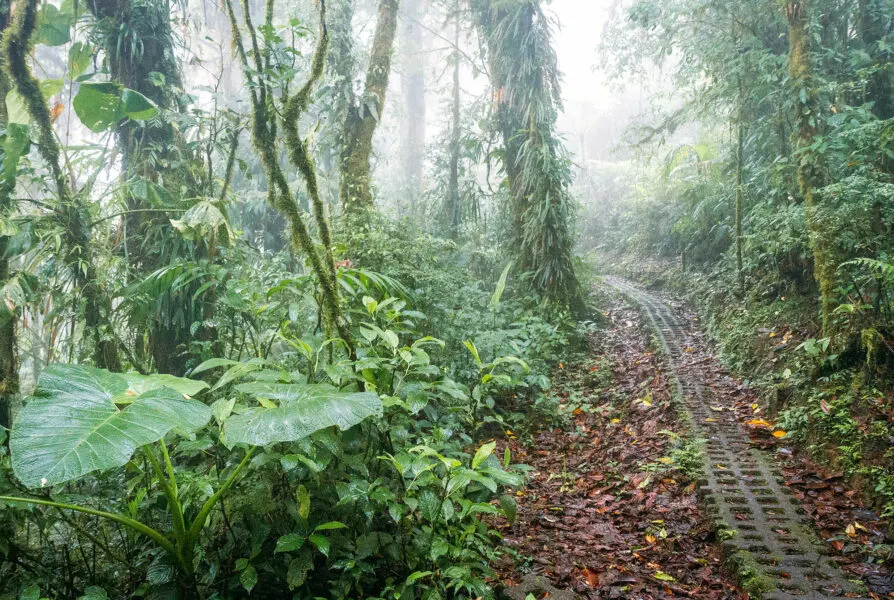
(334, 439)
(302, 409)
(391, 506)
(83, 420)
(100, 106)
(808, 86)
(524, 71)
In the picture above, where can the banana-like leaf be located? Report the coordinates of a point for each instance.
(303, 410)
(73, 425)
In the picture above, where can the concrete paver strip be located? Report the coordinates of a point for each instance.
(769, 538)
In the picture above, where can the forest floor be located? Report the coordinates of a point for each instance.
(610, 509)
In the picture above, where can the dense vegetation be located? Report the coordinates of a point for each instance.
(771, 189)
(240, 373)
(260, 332)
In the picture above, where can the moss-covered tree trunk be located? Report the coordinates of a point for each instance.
(264, 136)
(740, 191)
(364, 116)
(809, 162)
(150, 151)
(153, 153)
(69, 209)
(527, 97)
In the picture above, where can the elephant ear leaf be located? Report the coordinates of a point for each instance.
(302, 409)
(82, 419)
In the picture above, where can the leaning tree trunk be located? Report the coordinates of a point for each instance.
(809, 163)
(364, 117)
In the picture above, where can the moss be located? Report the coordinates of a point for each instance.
(70, 211)
(809, 163)
(361, 122)
(746, 568)
(278, 194)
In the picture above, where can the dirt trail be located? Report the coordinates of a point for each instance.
(769, 534)
(608, 511)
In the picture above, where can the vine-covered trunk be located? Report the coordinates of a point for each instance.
(809, 162)
(363, 118)
(527, 97)
(69, 209)
(153, 154)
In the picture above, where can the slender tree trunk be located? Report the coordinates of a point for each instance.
(454, 214)
(740, 152)
(809, 164)
(264, 136)
(9, 361)
(414, 99)
(363, 118)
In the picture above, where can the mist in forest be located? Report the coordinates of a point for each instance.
(446, 299)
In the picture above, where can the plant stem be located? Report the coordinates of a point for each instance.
(152, 534)
(173, 503)
(199, 521)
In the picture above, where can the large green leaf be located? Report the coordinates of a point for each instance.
(16, 109)
(73, 424)
(14, 145)
(101, 105)
(143, 383)
(204, 220)
(303, 410)
(53, 26)
(79, 57)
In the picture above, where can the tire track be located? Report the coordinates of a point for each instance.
(770, 541)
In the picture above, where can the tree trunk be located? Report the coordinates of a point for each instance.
(414, 99)
(454, 216)
(809, 164)
(740, 153)
(525, 81)
(363, 118)
(70, 210)
(154, 72)
(9, 363)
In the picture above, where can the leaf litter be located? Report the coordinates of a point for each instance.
(606, 511)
